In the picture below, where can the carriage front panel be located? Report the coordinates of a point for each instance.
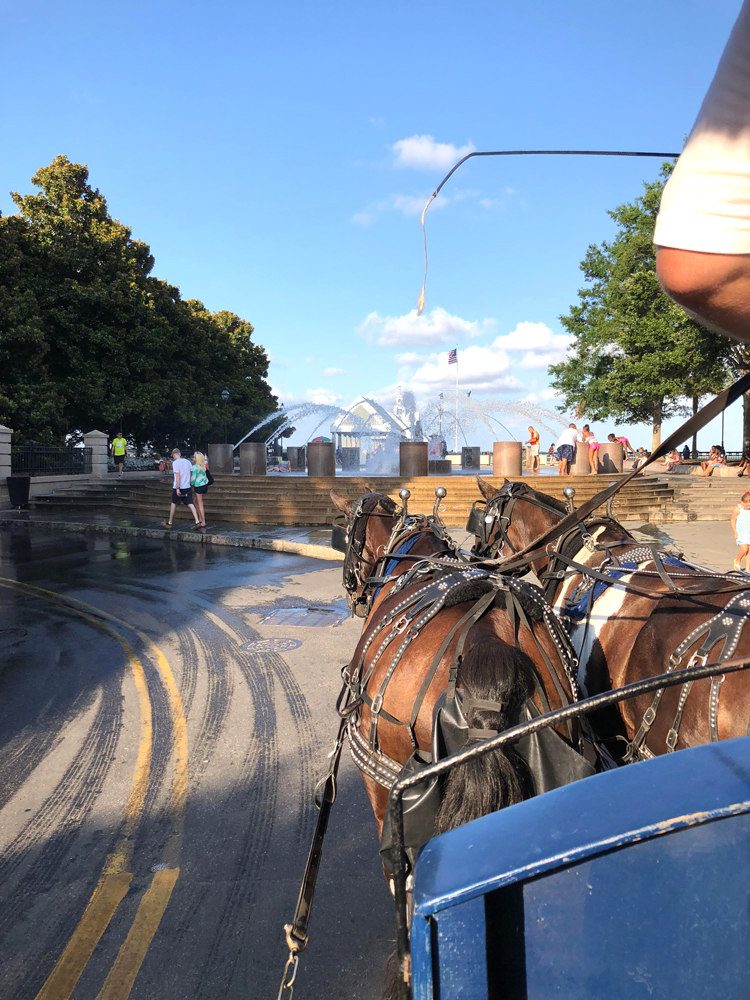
(632, 883)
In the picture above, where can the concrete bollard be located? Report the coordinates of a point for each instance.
(413, 459)
(610, 458)
(321, 459)
(580, 465)
(253, 459)
(296, 458)
(221, 459)
(506, 459)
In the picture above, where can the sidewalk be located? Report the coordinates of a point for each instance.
(313, 542)
(706, 542)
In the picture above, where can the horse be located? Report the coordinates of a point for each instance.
(631, 611)
(436, 626)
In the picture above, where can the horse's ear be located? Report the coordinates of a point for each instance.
(487, 489)
(341, 503)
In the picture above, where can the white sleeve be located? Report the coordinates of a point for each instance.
(706, 202)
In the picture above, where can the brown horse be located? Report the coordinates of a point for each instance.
(434, 623)
(631, 612)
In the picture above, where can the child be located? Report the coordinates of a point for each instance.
(741, 528)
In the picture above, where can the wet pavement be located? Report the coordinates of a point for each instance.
(156, 774)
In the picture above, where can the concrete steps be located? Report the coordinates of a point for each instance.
(302, 501)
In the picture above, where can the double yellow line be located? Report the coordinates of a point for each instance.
(115, 878)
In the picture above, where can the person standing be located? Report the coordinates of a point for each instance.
(199, 483)
(589, 438)
(181, 491)
(740, 522)
(566, 449)
(119, 450)
(532, 451)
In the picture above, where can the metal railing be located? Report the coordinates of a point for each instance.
(732, 456)
(39, 460)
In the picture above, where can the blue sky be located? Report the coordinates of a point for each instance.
(276, 156)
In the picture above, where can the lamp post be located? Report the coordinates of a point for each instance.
(225, 400)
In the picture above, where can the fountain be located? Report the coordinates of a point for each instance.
(380, 447)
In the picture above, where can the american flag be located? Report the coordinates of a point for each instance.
(453, 356)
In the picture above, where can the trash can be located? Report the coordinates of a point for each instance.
(18, 490)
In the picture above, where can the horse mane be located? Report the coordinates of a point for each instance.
(543, 497)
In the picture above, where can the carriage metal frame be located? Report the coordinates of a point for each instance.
(424, 971)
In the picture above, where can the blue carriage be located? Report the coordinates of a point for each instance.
(628, 884)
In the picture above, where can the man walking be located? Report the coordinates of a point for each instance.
(566, 449)
(119, 451)
(181, 489)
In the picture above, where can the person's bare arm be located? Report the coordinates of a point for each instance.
(713, 287)
(733, 521)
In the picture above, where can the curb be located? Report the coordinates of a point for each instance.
(247, 542)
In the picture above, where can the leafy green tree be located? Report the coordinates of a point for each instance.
(97, 341)
(636, 356)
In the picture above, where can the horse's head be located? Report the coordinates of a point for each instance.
(510, 518)
(370, 521)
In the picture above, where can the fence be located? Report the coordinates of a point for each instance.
(35, 460)
(732, 456)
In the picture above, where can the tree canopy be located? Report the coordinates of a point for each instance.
(636, 355)
(89, 338)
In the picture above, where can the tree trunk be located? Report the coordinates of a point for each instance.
(695, 436)
(656, 427)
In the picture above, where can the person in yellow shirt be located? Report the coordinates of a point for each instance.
(119, 451)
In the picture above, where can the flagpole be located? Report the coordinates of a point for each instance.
(455, 441)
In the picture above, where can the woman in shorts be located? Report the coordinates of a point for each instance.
(199, 482)
(589, 438)
(740, 522)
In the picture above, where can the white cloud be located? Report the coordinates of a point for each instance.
(541, 347)
(410, 358)
(324, 396)
(484, 369)
(439, 327)
(422, 152)
(490, 203)
(333, 372)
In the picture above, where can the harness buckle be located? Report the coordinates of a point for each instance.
(401, 624)
(649, 715)
(671, 739)
(377, 704)
(696, 660)
(588, 541)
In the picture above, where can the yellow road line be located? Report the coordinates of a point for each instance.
(155, 900)
(114, 879)
(101, 908)
(121, 976)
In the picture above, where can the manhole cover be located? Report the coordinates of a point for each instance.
(309, 617)
(271, 645)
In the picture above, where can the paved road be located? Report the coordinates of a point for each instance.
(156, 777)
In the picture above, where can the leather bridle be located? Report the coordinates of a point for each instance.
(489, 520)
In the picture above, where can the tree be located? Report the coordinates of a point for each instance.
(99, 342)
(636, 355)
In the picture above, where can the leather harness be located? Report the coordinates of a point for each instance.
(725, 626)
